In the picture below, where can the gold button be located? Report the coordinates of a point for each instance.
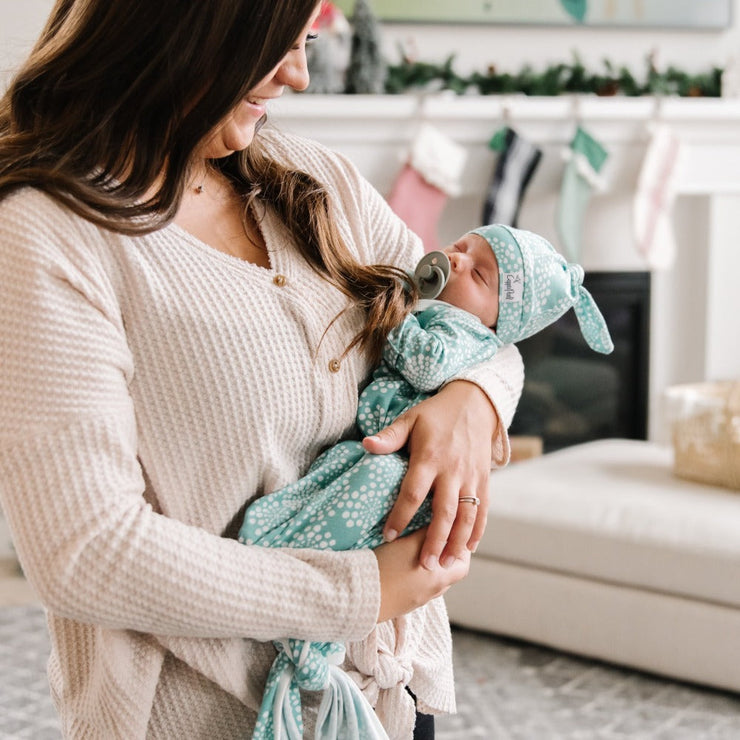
(334, 365)
(279, 280)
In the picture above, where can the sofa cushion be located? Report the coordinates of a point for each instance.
(612, 510)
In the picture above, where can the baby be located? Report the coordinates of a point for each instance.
(493, 286)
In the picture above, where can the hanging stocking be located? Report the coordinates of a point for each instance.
(576, 9)
(653, 205)
(585, 158)
(426, 182)
(514, 169)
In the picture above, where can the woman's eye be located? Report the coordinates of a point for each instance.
(310, 38)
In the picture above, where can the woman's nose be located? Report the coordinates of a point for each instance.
(293, 71)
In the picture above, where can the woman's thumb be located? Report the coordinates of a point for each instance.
(390, 439)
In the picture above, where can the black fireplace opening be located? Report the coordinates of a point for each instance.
(573, 394)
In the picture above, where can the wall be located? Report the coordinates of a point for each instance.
(609, 244)
(20, 23)
(508, 47)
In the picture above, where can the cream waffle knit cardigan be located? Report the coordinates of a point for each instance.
(150, 386)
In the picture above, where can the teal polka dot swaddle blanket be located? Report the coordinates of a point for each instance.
(342, 503)
(344, 499)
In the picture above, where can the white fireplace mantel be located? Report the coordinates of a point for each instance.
(362, 123)
(695, 321)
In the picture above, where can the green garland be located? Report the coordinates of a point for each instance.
(556, 79)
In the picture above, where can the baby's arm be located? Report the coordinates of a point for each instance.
(433, 346)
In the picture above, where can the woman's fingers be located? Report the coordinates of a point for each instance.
(455, 525)
(470, 522)
(448, 437)
(404, 584)
(414, 489)
(455, 534)
(458, 520)
(481, 519)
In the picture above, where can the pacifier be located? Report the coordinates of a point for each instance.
(431, 274)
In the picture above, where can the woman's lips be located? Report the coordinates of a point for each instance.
(257, 106)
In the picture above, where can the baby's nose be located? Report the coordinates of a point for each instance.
(458, 261)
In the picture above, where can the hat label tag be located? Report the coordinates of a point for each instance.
(513, 286)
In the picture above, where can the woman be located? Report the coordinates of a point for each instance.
(168, 353)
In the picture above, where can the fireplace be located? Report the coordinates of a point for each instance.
(688, 338)
(573, 394)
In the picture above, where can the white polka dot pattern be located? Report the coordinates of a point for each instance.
(346, 495)
(537, 286)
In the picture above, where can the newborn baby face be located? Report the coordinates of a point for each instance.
(473, 281)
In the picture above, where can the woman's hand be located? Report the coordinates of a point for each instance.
(404, 584)
(449, 444)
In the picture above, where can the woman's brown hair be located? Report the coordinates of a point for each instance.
(384, 293)
(116, 96)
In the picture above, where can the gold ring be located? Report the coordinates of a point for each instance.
(469, 500)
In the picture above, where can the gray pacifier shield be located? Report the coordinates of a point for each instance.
(431, 274)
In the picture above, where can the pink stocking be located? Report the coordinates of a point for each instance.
(419, 204)
(425, 183)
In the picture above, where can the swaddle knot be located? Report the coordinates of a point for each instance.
(390, 671)
(576, 278)
(311, 661)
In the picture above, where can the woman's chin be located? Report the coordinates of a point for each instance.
(235, 140)
(239, 144)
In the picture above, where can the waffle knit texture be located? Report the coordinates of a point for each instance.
(151, 386)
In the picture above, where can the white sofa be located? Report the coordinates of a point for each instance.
(600, 550)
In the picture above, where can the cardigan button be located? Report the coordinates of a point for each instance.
(280, 280)
(334, 365)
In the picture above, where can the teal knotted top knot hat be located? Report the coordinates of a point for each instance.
(537, 286)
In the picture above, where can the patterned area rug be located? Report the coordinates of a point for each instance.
(507, 690)
(511, 690)
(26, 710)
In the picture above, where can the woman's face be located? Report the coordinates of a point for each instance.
(473, 281)
(237, 130)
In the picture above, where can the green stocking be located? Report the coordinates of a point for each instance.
(585, 158)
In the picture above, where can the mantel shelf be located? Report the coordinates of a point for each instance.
(374, 130)
(699, 114)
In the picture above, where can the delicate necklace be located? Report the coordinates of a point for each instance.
(200, 187)
(216, 189)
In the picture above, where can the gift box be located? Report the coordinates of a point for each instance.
(705, 429)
